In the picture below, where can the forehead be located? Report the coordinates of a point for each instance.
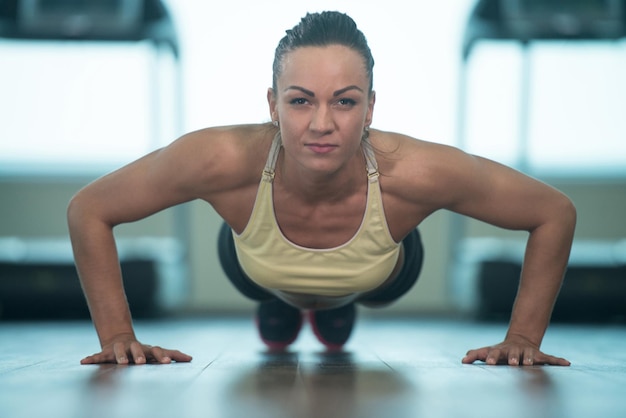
(336, 64)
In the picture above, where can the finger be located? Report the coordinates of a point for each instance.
(98, 358)
(528, 357)
(136, 351)
(493, 357)
(514, 356)
(158, 354)
(89, 360)
(178, 356)
(552, 360)
(560, 361)
(119, 350)
(475, 355)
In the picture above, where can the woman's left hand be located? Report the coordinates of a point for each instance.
(514, 351)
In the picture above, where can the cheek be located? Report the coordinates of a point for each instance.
(293, 117)
(294, 125)
(354, 123)
(290, 132)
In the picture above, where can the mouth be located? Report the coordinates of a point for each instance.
(321, 148)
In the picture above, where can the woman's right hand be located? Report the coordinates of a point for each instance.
(125, 349)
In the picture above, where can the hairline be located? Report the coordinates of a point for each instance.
(370, 75)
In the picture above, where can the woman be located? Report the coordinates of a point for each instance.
(320, 211)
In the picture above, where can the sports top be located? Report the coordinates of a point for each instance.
(272, 261)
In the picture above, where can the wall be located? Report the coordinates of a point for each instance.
(416, 83)
(37, 209)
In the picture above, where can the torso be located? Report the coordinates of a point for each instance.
(320, 225)
(304, 301)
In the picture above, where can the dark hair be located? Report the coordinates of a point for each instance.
(324, 29)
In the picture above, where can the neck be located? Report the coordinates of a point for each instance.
(316, 187)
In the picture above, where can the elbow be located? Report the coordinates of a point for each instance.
(75, 211)
(558, 215)
(569, 212)
(565, 214)
(80, 212)
(86, 213)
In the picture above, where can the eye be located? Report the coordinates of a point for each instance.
(346, 102)
(298, 101)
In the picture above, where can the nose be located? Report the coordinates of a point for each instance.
(322, 120)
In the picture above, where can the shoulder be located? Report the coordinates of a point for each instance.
(220, 157)
(237, 141)
(419, 170)
(406, 158)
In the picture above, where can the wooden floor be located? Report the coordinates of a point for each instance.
(391, 368)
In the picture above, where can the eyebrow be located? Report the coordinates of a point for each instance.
(345, 89)
(335, 94)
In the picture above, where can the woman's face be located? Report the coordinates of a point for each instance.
(323, 104)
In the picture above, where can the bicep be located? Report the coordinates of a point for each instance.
(499, 195)
(152, 183)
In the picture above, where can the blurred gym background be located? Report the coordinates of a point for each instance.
(88, 86)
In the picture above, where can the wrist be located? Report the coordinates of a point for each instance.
(122, 336)
(114, 330)
(525, 337)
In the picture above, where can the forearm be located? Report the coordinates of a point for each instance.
(545, 262)
(99, 271)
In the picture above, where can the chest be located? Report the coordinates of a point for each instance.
(322, 224)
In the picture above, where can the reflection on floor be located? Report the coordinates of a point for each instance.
(391, 368)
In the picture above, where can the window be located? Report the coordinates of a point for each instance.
(576, 95)
(77, 108)
(89, 108)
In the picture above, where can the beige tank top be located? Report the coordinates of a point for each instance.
(272, 261)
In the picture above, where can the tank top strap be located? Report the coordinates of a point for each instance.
(272, 157)
(370, 161)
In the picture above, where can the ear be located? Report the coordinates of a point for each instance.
(370, 109)
(271, 101)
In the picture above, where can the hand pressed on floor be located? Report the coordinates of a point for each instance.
(125, 349)
(514, 351)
